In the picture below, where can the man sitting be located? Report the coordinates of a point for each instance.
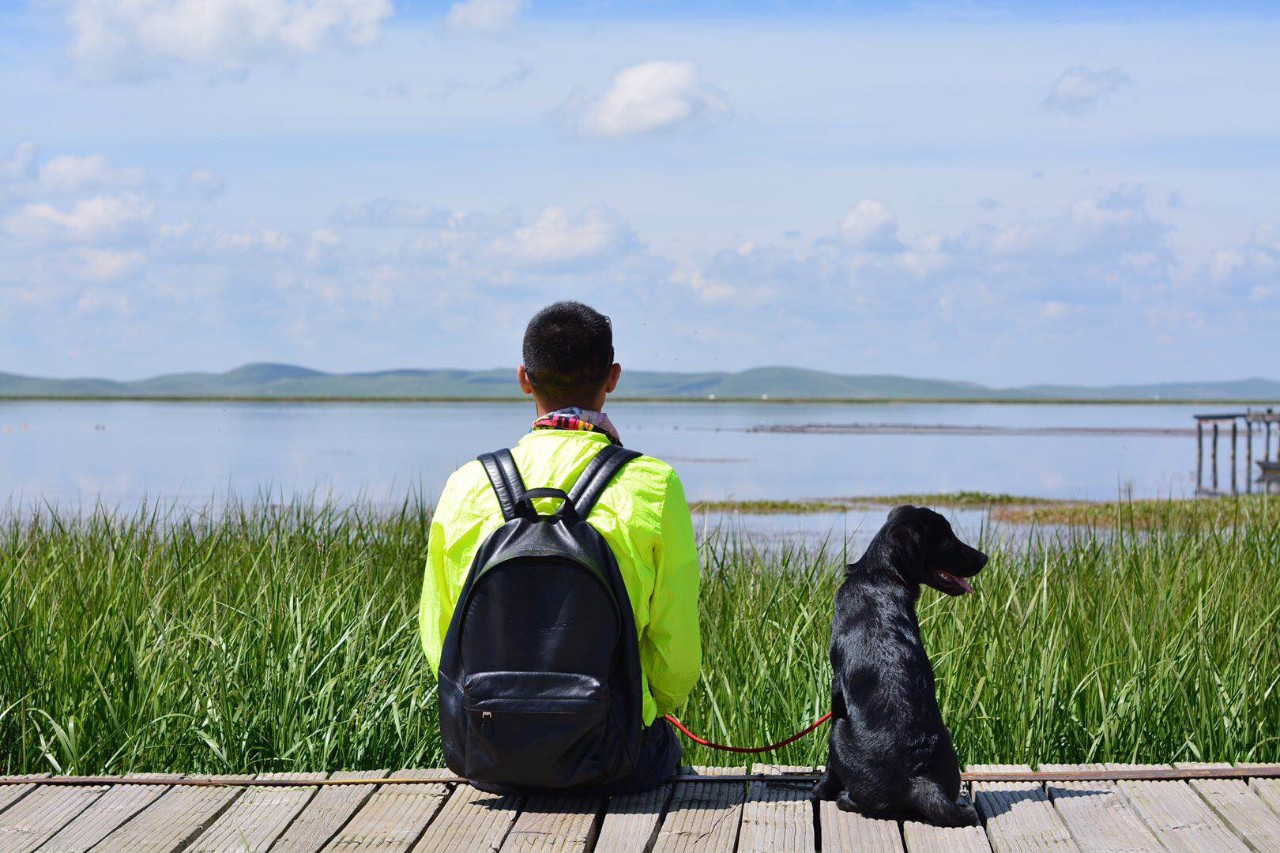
(642, 515)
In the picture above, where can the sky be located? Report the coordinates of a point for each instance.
(994, 192)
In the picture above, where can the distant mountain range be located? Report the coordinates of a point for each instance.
(785, 383)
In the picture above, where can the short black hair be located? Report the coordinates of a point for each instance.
(568, 350)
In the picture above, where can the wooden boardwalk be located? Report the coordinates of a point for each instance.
(428, 814)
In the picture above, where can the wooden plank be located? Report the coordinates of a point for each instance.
(778, 816)
(852, 831)
(1264, 783)
(1097, 814)
(631, 822)
(1176, 815)
(926, 838)
(703, 816)
(328, 811)
(1268, 789)
(923, 838)
(1018, 815)
(109, 811)
(10, 794)
(1246, 813)
(37, 817)
(555, 823)
(395, 815)
(470, 820)
(847, 831)
(257, 817)
(170, 822)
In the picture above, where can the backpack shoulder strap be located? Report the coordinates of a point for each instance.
(598, 474)
(505, 478)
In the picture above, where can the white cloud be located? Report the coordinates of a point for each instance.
(1027, 279)
(109, 264)
(1079, 89)
(121, 38)
(25, 176)
(1250, 269)
(749, 275)
(1097, 251)
(706, 289)
(649, 97)
(1054, 311)
(558, 238)
(486, 16)
(1110, 231)
(90, 220)
(94, 301)
(320, 245)
(871, 225)
(393, 213)
(268, 240)
(21, 166)
(71, 174)
(202, 183)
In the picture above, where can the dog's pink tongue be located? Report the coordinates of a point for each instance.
(964, 584)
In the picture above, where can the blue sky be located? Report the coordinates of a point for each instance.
(1004, 193)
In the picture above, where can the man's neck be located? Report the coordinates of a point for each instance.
(546, 408)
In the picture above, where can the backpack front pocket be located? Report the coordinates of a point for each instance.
(535, 729)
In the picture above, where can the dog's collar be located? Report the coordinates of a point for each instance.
(897, 576)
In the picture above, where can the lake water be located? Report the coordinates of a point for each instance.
(74, 454)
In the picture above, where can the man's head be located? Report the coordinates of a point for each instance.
(568, 357)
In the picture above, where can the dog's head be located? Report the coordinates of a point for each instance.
(926, 550)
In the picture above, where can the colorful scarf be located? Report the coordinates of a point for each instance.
(575, 418)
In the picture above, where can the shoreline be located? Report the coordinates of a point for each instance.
(955, 429)
(1024, 510)
(781, 401)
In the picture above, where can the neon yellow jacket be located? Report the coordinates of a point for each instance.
(644, 517)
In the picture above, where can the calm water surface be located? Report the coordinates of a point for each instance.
(75, 454)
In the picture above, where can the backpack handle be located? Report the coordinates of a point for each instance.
(505, 478)
(516, 501)
(566, 509)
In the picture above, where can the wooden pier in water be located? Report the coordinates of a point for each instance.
(1246, 425)
(429, 811)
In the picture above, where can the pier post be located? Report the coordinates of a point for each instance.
(1248, 457)
(1235, 429)
(1200, 454)
(1213, 456)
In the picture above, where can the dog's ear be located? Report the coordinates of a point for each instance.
(899, 513)
(905, 534)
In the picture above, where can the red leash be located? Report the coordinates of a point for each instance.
(749, 749)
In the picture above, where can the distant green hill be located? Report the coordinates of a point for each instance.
(787, 383)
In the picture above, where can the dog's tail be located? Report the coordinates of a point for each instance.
(927, 799)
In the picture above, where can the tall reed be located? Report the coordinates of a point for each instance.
(262, 639)
(281, 638)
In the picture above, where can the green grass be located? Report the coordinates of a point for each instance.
(280, 639)
(286, 639)
(958, 500)
(1151, 644)
(1194, 513)
(769, 507)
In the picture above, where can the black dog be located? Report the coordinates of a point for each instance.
(890, 753)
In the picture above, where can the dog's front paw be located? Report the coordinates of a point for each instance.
(968, 812)
(844, 803)
(827, 788)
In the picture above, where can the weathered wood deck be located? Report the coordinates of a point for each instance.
(431, 815)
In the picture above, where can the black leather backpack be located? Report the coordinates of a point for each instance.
(540, 671)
